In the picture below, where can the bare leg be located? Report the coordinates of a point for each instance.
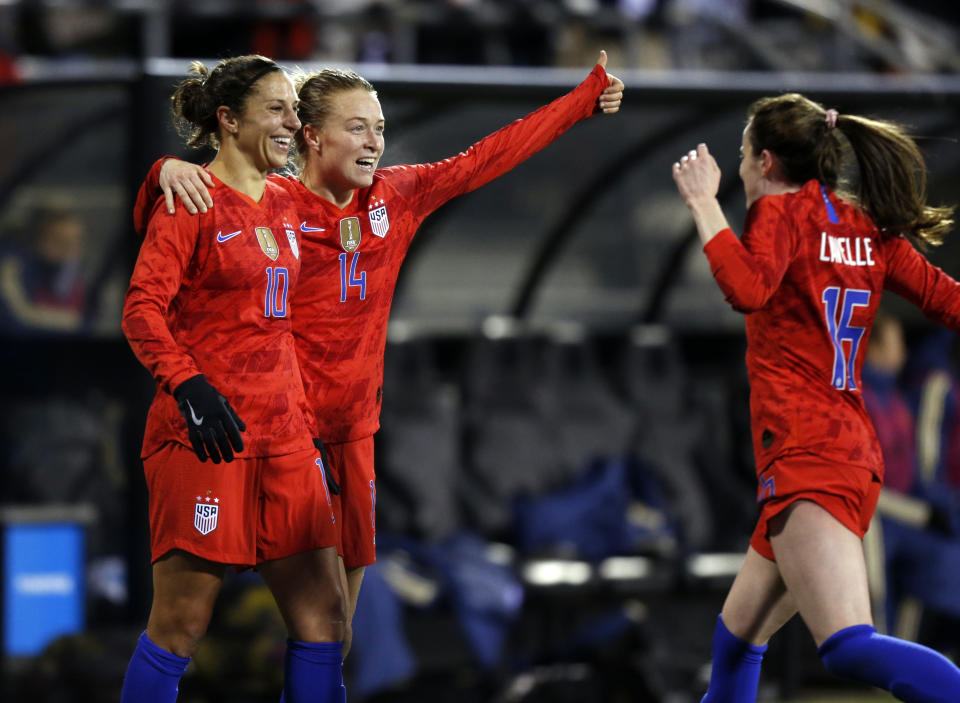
(352, 580)
(309, 593)
(185, 588)
(822, 564)
(758, 604)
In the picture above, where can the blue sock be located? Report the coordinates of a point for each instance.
(313, 671)
(736, 668)
(153, 674)
(911, 672)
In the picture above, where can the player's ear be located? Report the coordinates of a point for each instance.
(768, 166)
(227, 119)
(311, 136)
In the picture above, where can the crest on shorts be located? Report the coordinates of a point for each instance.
(379, 222)
(350, 234)
(205, 514)
(292, 238)
(267, 242)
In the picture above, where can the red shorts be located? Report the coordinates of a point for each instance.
(356, 507)
(242, 513)
(848, 493)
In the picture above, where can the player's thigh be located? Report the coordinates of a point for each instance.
(821, 562)
(758, 603)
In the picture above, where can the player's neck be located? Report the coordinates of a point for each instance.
(339, 198)
(770, 187)
(238, 171)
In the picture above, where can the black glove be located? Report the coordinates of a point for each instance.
(212, 424)
(332, 485)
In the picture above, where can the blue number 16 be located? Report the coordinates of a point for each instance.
(843, 331)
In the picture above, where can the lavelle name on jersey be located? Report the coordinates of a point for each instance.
(849, 251)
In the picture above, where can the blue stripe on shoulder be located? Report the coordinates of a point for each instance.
(831, 212)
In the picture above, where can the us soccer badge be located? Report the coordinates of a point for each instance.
(205, 513)
(292, 238)
(379, 222)
(267, 242)
(350, 234)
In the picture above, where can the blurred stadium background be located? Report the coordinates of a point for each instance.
(564, 473)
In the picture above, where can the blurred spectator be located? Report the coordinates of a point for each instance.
(918, 516)
(42, 291)
(933, 386)
(887, 405)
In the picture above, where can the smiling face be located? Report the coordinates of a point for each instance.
(344, 151)
(264, 132)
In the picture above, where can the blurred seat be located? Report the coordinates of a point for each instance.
(511, 449)
(418, 447)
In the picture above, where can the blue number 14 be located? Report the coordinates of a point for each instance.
(842, 331)
(350, 279)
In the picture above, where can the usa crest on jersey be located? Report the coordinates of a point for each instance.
(267, 242)
(292, 238)
(379, 222)
(350, 234)
(205, 514)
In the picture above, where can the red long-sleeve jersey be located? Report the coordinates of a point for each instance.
(352, 257)
(809, 273)
(211, 294)
(342, 306)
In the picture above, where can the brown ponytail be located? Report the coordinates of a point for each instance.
(892, 179)
(196, 99)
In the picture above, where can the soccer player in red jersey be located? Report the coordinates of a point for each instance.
(208, 314)
(357, 222)
(808, 274)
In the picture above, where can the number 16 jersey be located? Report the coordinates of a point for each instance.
(809, 273)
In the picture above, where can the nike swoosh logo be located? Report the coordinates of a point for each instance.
(304, 228)
(224, 237)
(197, 420)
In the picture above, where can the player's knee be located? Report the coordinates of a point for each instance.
(179, 629)
(323, 620)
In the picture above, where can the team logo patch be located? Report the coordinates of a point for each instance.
(350, 234)
(267, 242)
(292, 238)
(379, 222)
(205, 514)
